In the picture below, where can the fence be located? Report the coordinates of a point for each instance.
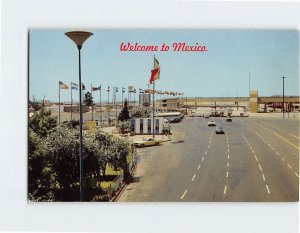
(117, 184)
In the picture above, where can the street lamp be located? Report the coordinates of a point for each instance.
(79, 37)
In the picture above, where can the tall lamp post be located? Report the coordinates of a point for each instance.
(283, 95)
(79, 37)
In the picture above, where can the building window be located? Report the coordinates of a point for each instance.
(149, 126)
(141, 125)
(157, 126)
(132, 122)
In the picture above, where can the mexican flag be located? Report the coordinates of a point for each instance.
(155, 73)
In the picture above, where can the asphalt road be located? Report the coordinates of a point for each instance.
(255, 160)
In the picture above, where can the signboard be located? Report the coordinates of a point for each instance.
(90, 126)
(144, 99)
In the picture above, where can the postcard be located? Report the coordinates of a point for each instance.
(163, 115)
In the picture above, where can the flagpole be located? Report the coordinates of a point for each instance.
(108, 117)
(153, 112)
(122, 96)
(71, 101)
(134, 99)
(58, 104)
(100, 107)
(153, 103)
(92, 101)
(116, 104)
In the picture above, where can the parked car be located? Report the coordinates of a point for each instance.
(219, 129)
(148, 142)
(211, 123)
(229, 119)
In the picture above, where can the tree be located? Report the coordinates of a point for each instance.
(62, 153)
(88, 99)
(124, 126)
(39, 175)
(124, 114)
(137, 114)
(41, 122)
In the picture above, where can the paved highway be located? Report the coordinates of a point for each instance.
(257, 159)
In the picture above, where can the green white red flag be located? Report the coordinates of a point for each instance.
(155, 73)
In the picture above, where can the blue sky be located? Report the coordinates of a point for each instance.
(221, 71)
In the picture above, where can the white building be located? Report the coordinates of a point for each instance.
(145, 125)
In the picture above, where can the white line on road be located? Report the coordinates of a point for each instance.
(227, 164)
(263, 177)
(228, 150)
(183, 194)
(202, 159)
(207, 146)
(225, 189)
(252, 151)
(256, 158)
(228, 157)
(205, 152)
(297, 174)
(227, 174)
(260, 167)
(277, 153)
(273, 148)
(290, 167)
(282, 159)
(268, 189)
(193, 177)
(251, 147)
(199, 166)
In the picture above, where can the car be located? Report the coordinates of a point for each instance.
(219, 130)
(206, 115)
(211, 123)
(148, 142)
(229, 119)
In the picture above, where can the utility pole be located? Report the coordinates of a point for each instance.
(249, 84)
(283, 95)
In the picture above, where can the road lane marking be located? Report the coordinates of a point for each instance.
(252, 151)
(207, 146)
(260, 167)
(199, 166)
(277, 153)
(202, 159)
(282, 159)
(205, 152)
(227, 164)
(225, 189)
(290, 167)
(264, 178)
(228, 157)
(256, 158)
(228, 150)
(273, 148)
(292, 144)
(193, 177)
(297, 174)
(294, 136)
(226, 174)
(267, 187)
(183, 194)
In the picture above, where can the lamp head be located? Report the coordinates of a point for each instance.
(79, 37)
